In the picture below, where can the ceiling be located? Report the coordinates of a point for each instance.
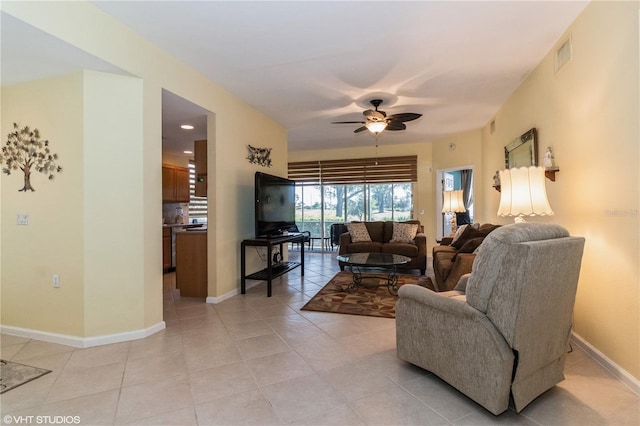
(308, 63)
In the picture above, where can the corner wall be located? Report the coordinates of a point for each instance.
(112, 198)
(83, 225)
(589, 114)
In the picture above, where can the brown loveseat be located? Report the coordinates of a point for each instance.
(381, 234)
(452, 259)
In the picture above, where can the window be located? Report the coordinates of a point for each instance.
(341, 191)
(197, 205)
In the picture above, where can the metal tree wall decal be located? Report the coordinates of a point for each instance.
(25, 151)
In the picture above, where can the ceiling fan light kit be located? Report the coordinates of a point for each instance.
(376, 126)
(377, 121)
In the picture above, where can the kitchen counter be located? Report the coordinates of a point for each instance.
(199, 230)
(191, 262)
(183, 225)
(169, 231)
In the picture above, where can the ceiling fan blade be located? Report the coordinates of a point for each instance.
(395, 125)
(372, 115)
(405, 116)
(360, 129)
(347, 122)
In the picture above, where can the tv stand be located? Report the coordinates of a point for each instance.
(272, 270)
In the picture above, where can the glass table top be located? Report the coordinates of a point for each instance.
(373, 259)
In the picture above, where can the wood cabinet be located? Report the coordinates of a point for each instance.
(175, 184)
(166, 248)
(200, 160)
(191, 263)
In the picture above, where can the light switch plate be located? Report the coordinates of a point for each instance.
(22, 219)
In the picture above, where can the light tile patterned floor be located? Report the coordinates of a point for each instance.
(259, 360)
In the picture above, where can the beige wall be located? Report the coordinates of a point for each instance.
(231, 126)
(112, 199)
(588, 113)
(53, 242)
(83, 225)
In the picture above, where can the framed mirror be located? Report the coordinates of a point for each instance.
(523, 151)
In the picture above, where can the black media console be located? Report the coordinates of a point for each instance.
(272, 270)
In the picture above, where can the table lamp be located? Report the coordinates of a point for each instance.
(523, 193)
(452, 202)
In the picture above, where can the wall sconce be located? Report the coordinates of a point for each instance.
(523, 193)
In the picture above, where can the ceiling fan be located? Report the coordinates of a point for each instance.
(377, 121)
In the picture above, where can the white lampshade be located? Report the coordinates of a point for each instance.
(376, 126)
(453, 202)
(523, 192)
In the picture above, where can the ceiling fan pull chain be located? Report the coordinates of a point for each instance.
(376, 149)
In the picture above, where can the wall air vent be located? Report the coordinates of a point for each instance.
(563, 54)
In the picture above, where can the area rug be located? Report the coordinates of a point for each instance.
(13, 374)
(369, 301)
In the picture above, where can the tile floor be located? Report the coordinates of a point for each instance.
(258, 360)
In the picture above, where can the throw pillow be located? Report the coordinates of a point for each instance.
(461, 229)
(468, 233)
(469, 247)
(404, 232)
(358, 232)
(458, 233)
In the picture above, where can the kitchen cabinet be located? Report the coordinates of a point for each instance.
(191, 263)
(200, 160)
(166, 248)
(175, 184)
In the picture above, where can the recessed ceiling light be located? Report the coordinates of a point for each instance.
(188, 152)
(187, 127)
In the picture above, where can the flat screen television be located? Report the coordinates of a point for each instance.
(275, 205)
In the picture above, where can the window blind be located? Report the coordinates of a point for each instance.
(197, 205)
(355, 171)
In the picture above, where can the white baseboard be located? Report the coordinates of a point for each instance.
(218, 299)
(608, 364)
(82, 342)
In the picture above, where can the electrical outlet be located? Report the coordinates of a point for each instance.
(22, 219)
(56, 281)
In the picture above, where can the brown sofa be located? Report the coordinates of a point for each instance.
(381, 233)
(450, 262)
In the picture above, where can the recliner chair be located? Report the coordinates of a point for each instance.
(504, 331)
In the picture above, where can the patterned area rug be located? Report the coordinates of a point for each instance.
(370, 301)
(13, 374)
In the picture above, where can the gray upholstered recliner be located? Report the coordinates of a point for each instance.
(506, 328)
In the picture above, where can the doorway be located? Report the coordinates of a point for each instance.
(457, 178)
(184, 130)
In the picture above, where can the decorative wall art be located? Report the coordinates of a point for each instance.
(25, 151)
(260, 156)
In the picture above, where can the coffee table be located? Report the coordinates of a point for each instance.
(386, 262)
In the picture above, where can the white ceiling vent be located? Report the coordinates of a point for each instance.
(563, 54)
